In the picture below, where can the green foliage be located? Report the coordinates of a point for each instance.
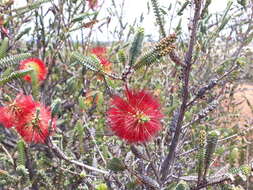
(148, 181)
(182, 185)
(13, 59)
(55, 106)
(31, 6)
(21, 152)
(243, 3)
(4, 47)
(22, 33)
(201, 153)
(22, 171)
(164, 47)
(21, 161)
(212, 139)
(45, 178)
(90, 62)
(136, 46)
(83, 135)
(82, 16)
(147, 58)
(205, 9)
(249, 38)
(116, 165)
(6, 178)
(243, 172)
(122, 57)
(181, 10)
(158, 16)
(35, 85)
(101, 186)
(225, 17)
(79, 128)
(15, 75)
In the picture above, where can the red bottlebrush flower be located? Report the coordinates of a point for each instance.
(37, 125)
(92, 3)
(38, 65)
(99, 51)
(11, 113)
(106, 65)
(136, 118)
(104, 62)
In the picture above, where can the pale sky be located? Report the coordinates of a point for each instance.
(133, 9)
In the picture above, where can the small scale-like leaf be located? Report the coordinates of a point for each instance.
(90, 62)
(13, 59)
(4, 47)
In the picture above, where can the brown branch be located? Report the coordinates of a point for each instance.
(210, 182)
(186, 73)
(60, 154)
(204, 185)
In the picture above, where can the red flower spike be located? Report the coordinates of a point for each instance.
(99, 51)
(104, 62)
(11, 113)
(6, 117)
(35, 126)
(38, 65)
(136, 119)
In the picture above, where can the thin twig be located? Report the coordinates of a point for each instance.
(60, 154)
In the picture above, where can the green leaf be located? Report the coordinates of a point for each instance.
(116, 165)
(136, 46)
(158, 16)
(13, 59)
(212, 140)
(122, 57)
(15, 75)
(28, 7)
(55, 106)
(4, 47)
(181, 10)
(201, 153)
(182, 185)
(22, 33)
(164, 47)
(21, 152)
(101, 186)
(90, 62)
(82, 16)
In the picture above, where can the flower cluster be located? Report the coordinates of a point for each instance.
(31, 119)
(135, 119)
(100, 52)
(38, 66)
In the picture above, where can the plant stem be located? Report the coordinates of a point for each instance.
(169, 160)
